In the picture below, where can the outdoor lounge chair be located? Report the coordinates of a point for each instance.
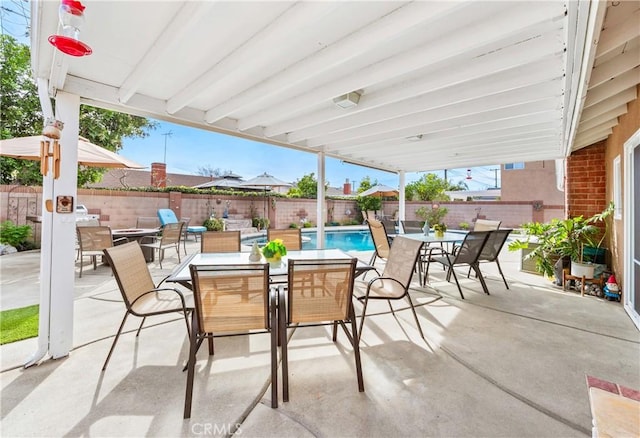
(231, 299)
(188, 230)
(220, 241)
(170, 238)
(318, 291)
(141, 297)
(380, 240)
(492, 248)
(291, 237)
(468, 253)
(92, 240)
(395, 280)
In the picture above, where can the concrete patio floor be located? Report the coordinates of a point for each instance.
(511, 364)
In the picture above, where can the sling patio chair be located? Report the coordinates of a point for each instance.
(380, 240)
(92, 240)
(412, 227)
(492, 248)
(318, 291)
(468, 253)
(147, 222)
(170, 238)
(220, 241)
(395, 280)
(141, 296)
(221, 308)
(486, 225)
(291, 237)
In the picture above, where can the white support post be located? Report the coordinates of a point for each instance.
(401, 197)
(321, 202)
(57, 265)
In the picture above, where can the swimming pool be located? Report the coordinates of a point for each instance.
(346, 240)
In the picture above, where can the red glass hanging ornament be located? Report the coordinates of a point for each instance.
(469, 174)
(71, 15)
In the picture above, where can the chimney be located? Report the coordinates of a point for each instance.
(346, 188)
(158, 175)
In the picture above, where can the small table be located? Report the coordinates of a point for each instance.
(138, 234)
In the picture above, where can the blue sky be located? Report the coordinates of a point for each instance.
(188, 149)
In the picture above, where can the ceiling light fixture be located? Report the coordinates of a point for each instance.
(348, 100)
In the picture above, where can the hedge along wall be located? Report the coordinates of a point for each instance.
(120, 209)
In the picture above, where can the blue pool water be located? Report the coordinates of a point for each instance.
(350, 240)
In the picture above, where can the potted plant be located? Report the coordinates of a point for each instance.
(562, 238)
(439, 229)
(433, 215)
(213, 224)
(273, 252)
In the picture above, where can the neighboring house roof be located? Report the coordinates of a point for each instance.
(118, 178)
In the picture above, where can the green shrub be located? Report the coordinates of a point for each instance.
(332, 224)
(433, 215)
(213, 224)
(293, 225)
(14, 235)
(307, 225)
(351, 222)
(261, 223)
(464, 225)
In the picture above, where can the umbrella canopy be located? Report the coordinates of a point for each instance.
(380, 190)
(89, 154)
(265, 180)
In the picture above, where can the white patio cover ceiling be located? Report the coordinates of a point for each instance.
(443, 84)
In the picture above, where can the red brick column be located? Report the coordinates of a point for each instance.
(586, 181)
(158, 175)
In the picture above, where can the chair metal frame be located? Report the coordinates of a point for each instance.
(221, 288)
(412, 227)
(171, 236)
(467, 253)
(92, 240)
(395, 281)
(220, 241)
(380, 239)
(491, 250)
(138, 289)
(315, 296)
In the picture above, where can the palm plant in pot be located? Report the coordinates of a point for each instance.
(563, 238)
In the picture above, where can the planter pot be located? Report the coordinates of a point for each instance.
(582, 269)
(274, 262)
(438, 234)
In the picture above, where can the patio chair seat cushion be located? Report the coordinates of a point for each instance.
(196, 229)
(161, 301)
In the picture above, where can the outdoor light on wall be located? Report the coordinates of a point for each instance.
(71, 15)
(348, 100)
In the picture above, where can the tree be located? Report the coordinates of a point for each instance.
(306, 187)
(208, 170)
(366, 184)
(21, 115)
(430, 187)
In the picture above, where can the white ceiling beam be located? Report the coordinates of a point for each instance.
(608, 104)
(493, 118)
(485, 33)
(480, 109)
(616, 36)
(583, 141)
(516, 79)
(609, 115)
(388, 27)
(614, 67)
(602, 127)
(614, 86)
(529, 53)
(299, 15)
(178, 27)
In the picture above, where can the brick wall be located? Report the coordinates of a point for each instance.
(585, 190)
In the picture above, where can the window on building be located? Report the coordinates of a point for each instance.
(617, 189)
(513, 166)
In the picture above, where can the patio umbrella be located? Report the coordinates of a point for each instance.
(89, 154)
(379, 190)
(265, 180)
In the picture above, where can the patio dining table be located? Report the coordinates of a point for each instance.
(182, 275)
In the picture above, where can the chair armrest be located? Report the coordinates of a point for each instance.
(180, 294)
(120, 240)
